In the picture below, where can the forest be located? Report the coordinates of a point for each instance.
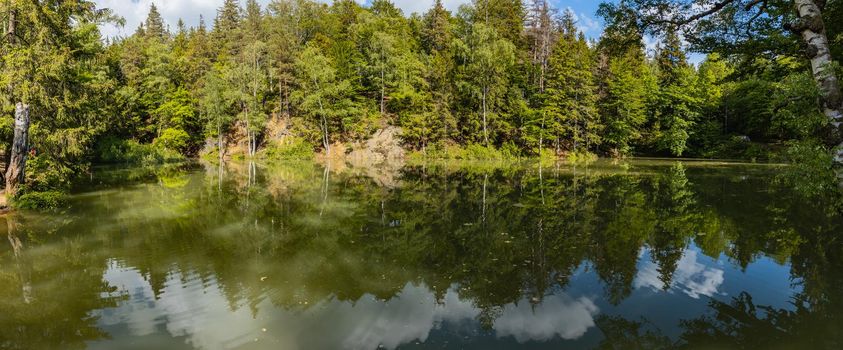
(496, 79)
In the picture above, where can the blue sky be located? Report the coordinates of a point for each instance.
(134, 11)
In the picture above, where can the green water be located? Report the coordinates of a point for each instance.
(643, 254)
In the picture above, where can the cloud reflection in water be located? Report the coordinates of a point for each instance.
(202, 314)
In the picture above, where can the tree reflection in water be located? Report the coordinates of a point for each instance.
(523, 253)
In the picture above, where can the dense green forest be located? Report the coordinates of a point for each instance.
(495, 79)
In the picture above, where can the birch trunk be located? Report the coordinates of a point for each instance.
(812, 29)
(485, 128)
(17, 163)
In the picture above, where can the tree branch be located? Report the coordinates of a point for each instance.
(681, 22)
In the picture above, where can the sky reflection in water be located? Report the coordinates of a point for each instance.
(650, 254)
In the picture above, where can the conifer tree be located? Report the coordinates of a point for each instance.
(624, 108)
(676, 105)
(506, 17)
(626, 83)
(570, 97)
(154, 24)
(437, 39)
(227, 31)
(488, 58)
(199, 55)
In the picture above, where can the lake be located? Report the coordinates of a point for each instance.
(644, 254)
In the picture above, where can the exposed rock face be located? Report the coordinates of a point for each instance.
(384, 147)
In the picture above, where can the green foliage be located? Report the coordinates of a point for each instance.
(322, 95)
(570, 100)
(676, 106)
(113, 150)
(471, 152)
(517, 81)
(488, 58)
(174, 139)
(580, 157)
(290, 148)
(624, 108)
(810, 172)
(40, 200)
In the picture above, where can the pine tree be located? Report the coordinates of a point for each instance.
(624, 107)
(436, 35)
(507, 17)
(437, 39)
(676, 106)
(154, 24)
(199, 55)
(671, 59)
(624, 88)
(570, 97)
(253, 22)
(227, 32)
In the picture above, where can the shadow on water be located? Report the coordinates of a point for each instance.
(639, 254)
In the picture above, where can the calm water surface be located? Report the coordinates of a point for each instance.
(643, 254)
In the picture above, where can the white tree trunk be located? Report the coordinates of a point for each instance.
(17, 164)
(812, 29)
(485, 128)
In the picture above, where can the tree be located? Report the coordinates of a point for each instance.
(227, 32)
(49, 67)
(624, 108)
(249, 76)
(487, 58)
(676, 107)
(570, 97)
(753, 27)
(199, 55)
(215, 101)
(541, 33)
(178, 122)
(506, 17)
(321, 95)
(436, 39)
(154, 25)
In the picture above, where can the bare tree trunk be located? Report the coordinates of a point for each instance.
(17, 164)
(220, 142)
(10, 30)
(541, 137)
(326, 142)
(383, 91)
(812, 29)
(485, 128)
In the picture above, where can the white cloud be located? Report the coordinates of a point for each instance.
(421, 6)
(135, 11)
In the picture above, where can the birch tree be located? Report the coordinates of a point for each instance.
(487, 58)
(753, 26)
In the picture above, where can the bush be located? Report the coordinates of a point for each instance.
(480, 152)
(508, 151)
(40, 200)
(291, 148)
(581, 157)
(113, 150)
(175, 139)
(811, 171)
